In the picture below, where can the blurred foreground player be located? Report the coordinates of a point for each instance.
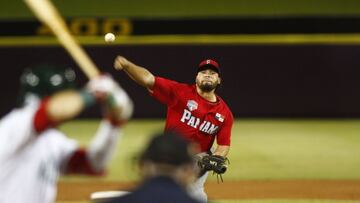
(195, 111)
(167, 168)
(33, 153)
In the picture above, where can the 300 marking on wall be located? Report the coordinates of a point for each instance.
(93, 26)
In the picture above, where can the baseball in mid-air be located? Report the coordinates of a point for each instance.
(109, 37)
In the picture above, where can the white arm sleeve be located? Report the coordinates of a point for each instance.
(17, 129)
(103, 145)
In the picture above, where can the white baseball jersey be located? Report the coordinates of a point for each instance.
(30, 162)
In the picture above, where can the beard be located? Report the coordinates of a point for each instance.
(207, 86)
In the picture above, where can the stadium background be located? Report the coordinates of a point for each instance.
(290, 71)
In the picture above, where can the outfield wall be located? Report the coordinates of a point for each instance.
(258, 80)
(189, 8)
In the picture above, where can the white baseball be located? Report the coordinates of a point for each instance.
(109, 37)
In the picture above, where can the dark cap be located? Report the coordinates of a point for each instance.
(168, 148)
(209, 64)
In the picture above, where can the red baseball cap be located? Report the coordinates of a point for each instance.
(209, 64)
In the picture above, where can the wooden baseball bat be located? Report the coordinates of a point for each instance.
(46, 12)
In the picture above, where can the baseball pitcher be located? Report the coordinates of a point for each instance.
(33, 152)
(194, 111)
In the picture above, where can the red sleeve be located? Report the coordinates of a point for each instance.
(80, 164)
(164, 90)
(224, 135)
(41, 119)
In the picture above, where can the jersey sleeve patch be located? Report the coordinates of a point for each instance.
(224, 136)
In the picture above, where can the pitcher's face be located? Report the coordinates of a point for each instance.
(207, 80)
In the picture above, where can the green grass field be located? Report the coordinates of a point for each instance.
(261, 150)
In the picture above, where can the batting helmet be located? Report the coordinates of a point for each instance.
(45, 79)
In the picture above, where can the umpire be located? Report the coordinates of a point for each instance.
(167, 168)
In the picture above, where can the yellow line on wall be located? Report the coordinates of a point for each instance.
(254, 39)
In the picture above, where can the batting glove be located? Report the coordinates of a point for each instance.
(118, 105)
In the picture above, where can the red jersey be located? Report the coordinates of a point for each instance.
(199, 120)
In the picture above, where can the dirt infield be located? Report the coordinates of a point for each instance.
(287, 189)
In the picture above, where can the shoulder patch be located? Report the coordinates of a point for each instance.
(219, 117)
(192, 105)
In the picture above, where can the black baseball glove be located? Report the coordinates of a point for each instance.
(215, 163)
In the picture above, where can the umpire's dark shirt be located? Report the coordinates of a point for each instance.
(157, 190)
